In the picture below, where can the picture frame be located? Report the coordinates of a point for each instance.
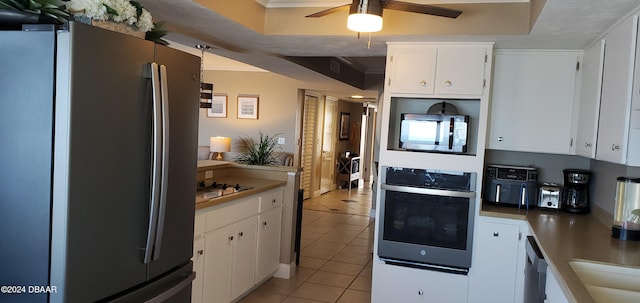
(344, 126)
(248, 107)
(218, 106)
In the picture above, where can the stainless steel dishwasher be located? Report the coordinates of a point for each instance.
(535, 273)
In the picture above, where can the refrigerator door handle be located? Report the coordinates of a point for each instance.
(173, 290)
(153, 73)
(164, 178)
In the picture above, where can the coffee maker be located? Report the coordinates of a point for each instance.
(575, 194)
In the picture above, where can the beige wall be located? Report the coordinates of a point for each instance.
(277, 107)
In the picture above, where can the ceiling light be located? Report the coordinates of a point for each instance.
(365, 16)
(357, 97)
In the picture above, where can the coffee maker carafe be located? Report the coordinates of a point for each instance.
(575, 194)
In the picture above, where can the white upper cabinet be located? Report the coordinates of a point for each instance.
(413, 69)
(532, 101)
(460, 70)
(617, 80)
(437, 69)
(590, 90)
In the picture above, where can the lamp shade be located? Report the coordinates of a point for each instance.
(365, 16)
(219, 144)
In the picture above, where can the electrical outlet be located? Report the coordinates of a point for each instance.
(281, 140)
(208, 174)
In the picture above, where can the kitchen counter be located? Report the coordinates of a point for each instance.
(564, 237)
(259, 185)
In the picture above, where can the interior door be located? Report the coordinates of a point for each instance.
(308, 143)
(327, 175)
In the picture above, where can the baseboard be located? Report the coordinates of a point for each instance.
(286, 271)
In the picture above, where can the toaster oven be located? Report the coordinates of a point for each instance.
(511, 185)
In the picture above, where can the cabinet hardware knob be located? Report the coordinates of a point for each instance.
(495, 234)
(241, 234)
(499, 139)
(447, 83)
(273, 201)
(587, 145)
(615, 147)
(201, 252)
(420, 292)
(264, 223)
(230, 238)
(423, 83)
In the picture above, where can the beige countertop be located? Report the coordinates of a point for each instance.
(259, 185)
(564, 237)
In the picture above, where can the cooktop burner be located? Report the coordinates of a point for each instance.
(220, 189)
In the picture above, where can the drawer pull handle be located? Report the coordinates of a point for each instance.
(201, 252)
(420, 292)
(241, 234)
(423, 83)
(496, 234)
(264, 223)
(230, 238)
(273, 201)
(615, 147)
(447, 83)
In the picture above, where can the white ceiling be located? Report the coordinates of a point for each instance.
(562, 24)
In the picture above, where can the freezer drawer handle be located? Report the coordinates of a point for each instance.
(173, 290)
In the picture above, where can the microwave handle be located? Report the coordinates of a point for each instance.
(451, 127)
(429, 191)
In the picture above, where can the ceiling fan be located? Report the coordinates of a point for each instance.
(373, 8)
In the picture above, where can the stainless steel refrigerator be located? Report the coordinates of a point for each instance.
(98, 139)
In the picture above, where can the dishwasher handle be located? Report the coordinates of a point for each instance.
(534, 256)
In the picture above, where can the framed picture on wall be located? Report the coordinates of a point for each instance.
(344, 126)
(218, 106)
(248, 107)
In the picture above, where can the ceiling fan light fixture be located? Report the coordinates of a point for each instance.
(365, 16)
(364, 23)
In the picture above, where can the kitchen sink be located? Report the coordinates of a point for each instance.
(607, 282)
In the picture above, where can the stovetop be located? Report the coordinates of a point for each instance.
(216, 189)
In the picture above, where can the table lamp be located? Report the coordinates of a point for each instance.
(219, 145)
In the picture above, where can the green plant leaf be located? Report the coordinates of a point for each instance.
(138, 7)
(110, 10)
(261, 152)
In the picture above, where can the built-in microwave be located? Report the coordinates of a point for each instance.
(434, 133)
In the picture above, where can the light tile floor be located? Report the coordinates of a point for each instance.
(335, 262)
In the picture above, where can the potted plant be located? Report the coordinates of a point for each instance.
(260, 152)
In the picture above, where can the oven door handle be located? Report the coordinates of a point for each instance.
(429, 191)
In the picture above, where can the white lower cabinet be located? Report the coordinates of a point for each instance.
(198, 268)
(410, 285)
(269, 228)
(497, 269)
(236, 246)
(553, 290)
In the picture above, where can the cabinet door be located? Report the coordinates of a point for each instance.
(244, 256)
(495, 263)
(553, 290)
(269, 226)
(591, 88)
(217, 265)
(615, 106)
(532, 101)
(412, 69)
(460, 70)
(410, 285)
(198, 268)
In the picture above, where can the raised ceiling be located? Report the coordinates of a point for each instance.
(262, 33)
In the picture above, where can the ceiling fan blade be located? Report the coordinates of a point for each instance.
(329, 11)
(422, 9)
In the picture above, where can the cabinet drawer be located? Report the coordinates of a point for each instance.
(270, 199)
(241, 209)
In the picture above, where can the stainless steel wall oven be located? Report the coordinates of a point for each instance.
(426, 218)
